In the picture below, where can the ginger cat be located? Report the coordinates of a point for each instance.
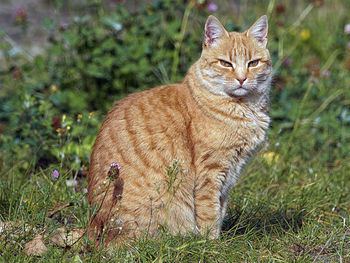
(212, 123)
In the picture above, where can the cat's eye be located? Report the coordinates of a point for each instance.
(253, 63)
(225, 63)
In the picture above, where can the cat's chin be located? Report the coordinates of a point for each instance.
(239, 92)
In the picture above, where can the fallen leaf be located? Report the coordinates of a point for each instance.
(36, 247)
(62, 238)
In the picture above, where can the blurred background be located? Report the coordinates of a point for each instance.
(65, 58)
(64, 63)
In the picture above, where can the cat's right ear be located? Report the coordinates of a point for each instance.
(214, 31)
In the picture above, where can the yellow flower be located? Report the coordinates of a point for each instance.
(270, 157)
(80, 116)
(91, 114)
(53, 87)
(58, 130)
(305, 34)
(149, 12)
(68, 128)
(25, 165)
(64, 116)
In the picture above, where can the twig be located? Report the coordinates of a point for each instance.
(9, 40)
(178, 44)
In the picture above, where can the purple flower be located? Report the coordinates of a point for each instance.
(55, 174)
(79, 189)
(20, 16)
(115, 165)
(286, 62)
(212, 7)
(114, 170)
(347, 29)
(63, 25)
(326, 73)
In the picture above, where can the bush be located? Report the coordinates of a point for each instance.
(104, 57)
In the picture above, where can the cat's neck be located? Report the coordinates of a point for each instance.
(206, 94)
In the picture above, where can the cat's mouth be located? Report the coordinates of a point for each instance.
(239, 91)
(240, 87)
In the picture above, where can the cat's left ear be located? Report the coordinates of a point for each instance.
(259, 31)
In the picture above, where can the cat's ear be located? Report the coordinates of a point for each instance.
(214, 31)
(259, 31)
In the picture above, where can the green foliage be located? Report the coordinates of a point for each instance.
(35, 131)
(105, 57)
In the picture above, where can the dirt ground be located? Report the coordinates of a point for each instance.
(33, 39)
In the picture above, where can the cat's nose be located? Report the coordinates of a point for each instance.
(241, 80)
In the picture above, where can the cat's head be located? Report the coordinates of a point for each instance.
(235, 64)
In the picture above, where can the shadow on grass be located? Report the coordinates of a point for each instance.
(262, 220)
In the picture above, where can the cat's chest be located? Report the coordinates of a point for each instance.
(235, 134)
(232, 142)
(239, 141)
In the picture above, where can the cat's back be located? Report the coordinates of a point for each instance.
(147, 110)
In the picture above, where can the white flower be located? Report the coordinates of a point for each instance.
(71, 183)
(347, 29)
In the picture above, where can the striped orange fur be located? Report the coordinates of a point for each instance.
(212, 123)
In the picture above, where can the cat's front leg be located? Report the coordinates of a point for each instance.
(208, 208)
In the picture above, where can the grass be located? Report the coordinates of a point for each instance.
(292, 203)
